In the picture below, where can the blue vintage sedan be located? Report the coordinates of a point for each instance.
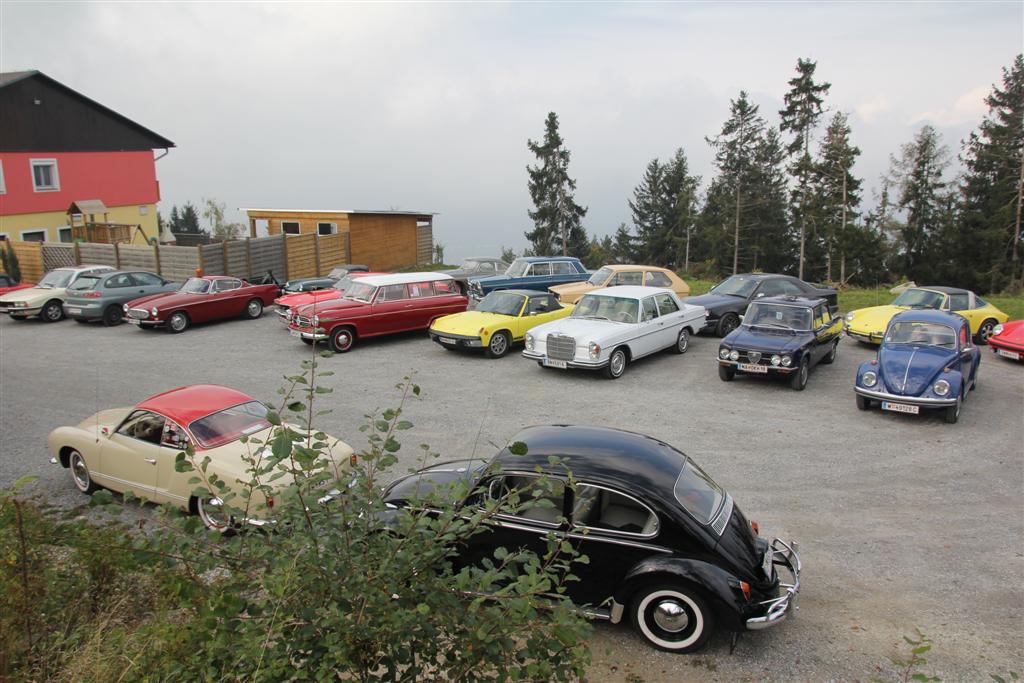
(531, 272)
(926, 361)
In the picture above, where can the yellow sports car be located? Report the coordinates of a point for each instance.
(868, 324)
(499, 320)
(610, 276)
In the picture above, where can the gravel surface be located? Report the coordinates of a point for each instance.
(903, 521)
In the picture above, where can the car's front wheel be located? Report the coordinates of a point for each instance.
(798, 380)
(178, 322)
(673, 618)
(499, 345)
(725, 373)
(342, 339)
(863, 402)
(952, 413)
(616, 364)
(80, 473)
(52, 311)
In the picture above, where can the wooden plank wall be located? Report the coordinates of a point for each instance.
(93, 254)
(268, 254)
(383, 242)
(332, 252)
(134, 257)
(212, 258)
(424, 244)
(301, 252)
(178, 263)
(30, 260)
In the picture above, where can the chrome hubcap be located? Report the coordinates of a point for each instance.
(178, 322)
(618, 363)
(343, 340)
(671, 616)
(684, 341)
(79, 471)
(210, 511)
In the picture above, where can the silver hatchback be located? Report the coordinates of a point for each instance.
(100, 296)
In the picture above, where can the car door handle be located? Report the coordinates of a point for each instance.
(151, 461)
(408, 305)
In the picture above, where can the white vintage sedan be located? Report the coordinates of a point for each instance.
(135, 449)
(613, 327)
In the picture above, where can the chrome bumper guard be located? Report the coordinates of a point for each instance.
(784, 556)
(922, 401)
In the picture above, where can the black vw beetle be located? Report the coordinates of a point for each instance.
(665, 542)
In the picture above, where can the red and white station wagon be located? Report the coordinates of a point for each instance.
(377, 305)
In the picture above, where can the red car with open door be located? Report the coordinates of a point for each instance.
(201, 299)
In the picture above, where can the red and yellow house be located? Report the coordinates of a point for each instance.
(58, 147)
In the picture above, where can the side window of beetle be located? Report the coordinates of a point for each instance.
(600, 508)
(540, 501)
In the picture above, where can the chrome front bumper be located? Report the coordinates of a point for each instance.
(923, 401)
(574, 363)
(864, 336)
(778, 609)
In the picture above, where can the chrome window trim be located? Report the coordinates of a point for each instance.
(530, 520)
(601, 530)
(618, 541)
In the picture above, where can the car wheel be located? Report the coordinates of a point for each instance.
(974, 382)
(726, 373)
(673, 618)
(342, 339)
(112, 315)
(863, 402)
(831, 357)
(616, 364)
(952, 413)
(211, 513)
(798, 380)
(985, 331)
(81, 321)
(501, 342)
(682, 341)
(727, 323)
(307, 342)
(80, 473)
(52, 311)
(254, 309)
(178, 322)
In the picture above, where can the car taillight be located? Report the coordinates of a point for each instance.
(270, 502)
(92, 295)
(756, 529)
(745, 587)
(352, 460)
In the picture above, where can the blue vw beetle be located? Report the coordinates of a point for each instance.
(926, 360)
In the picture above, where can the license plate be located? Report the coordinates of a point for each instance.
(74, 311)
(295, 333)
(1008, 354)
(552, 363)
(747, 367)
(900, 408)
(446, 340)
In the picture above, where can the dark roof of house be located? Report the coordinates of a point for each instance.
(74, 122)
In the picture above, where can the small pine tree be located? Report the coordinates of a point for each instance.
(11, 265)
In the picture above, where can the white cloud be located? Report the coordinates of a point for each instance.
(870, 111)
(968, 108)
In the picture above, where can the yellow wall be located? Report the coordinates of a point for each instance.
(51, 221)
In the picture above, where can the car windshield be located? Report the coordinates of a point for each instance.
(778, 316)
(196, 285)
(230, 424)
(614, 308)
(697, 492)
(927, 334)
(504, 303)
(600, 277)
(471, 264)
(360, 291)
(56, 279)
(518, 268)
(337, 273)
(737, 285)
(919, 298)
(344, 283)
(85, 282)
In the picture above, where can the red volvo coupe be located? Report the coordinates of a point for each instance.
(1007, 340)
(200, 300)
(289, 303)
(382, 304)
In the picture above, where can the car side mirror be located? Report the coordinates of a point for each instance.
(759, 295)
(105, 431)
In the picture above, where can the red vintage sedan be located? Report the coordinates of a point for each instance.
(1007, 340)
(289, 303)
(383, 304)
(9, 284)
(200, 300)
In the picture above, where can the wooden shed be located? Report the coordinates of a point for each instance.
(383, 240)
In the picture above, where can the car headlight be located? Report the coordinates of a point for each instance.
(787, 361)
(849, 316)
(595, 350)
(21, 304)
(734, 355)
(998, 329)
(941, 388)
(869, 379)
(723, 353)
(776, 359)
(125, 307)
(154, 311)
(529, 342)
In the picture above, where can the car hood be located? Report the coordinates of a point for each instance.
(165, 299)
(581, 328)
(574, 288)
(717, 303)
(470, 322)
(873, 320)
(332, 308)
(1013, 333)
(300, 299)
(108, 418)
(908, 370)
(770, 341)
(493, 279)
(33, 294)
(428, 480)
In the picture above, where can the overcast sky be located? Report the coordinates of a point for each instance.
(428, 107)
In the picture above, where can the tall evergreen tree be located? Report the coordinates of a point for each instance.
(624, 245)
(648, 209)
(556, 216)
(803, 109)
(993, 189)
(680, 192)
(835, 193)
(174, 222)
(769, 244)
(190, 220)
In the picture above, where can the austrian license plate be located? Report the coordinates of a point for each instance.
(900, 408)
(74, 311)
(133, 321)
(295, 333)
(446, 340)
(552, 363)
(1008, 354)
(747, 367)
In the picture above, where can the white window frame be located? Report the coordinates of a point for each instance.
(70, 236)
(334, 228)
(297, 224)
(3, 183)
(28, 232)
(56, 176)
(143, 209)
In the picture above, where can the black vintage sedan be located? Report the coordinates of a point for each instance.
(728, 300)
(665, 543)
(781, 336)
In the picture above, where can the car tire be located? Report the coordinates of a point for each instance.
(682, 341)
(112, 315)
(307, 342)
(53, 311)
(673, 618)
(726, 324)
(81, 321)
(616, 364)
(499, 345)
(952, 413)
(253, 309)
(831, 357)
(726, 373)
(207, 509)
(342, 339)
(985, 331)
(798, 380)
(178, 322)
(863, 402)
(80, 473)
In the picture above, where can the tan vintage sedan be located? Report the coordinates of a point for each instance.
(134, 449)
(46, 299)
(615, 275)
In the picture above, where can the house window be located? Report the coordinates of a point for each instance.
(290, 227)
(3, 185)
(33, 235)
(326, 228)
(44, 175)
(64, 234)
(143, 210)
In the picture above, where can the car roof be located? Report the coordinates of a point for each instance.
(630, 266)
(402, 278)
(86, 267)
(792, 300)
(544, 259)
(944, 290)
(929, 315)
(628, 291)
(187, 404)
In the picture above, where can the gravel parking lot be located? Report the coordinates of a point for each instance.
(903, 521)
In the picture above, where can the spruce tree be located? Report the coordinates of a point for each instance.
(835, 193)
(190, 220)
(769, 243)
(680, 202)
(648, 209)
(803, 109)
(624, 248)
(174, 222)
(556, 216)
